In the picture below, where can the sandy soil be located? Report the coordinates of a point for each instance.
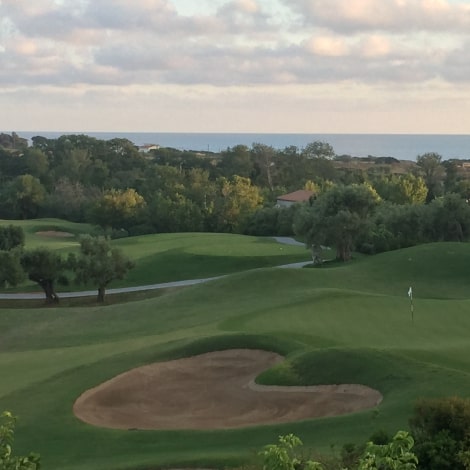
(213, 391)
(55, 234)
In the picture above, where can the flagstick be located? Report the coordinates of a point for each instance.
(410, 295)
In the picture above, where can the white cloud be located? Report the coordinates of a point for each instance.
(388, 15)
(376, 45)
(327, 46)
(273, 45)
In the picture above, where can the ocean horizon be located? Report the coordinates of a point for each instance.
(400, 146)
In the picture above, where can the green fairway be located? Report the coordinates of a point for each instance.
(335, 324)
(166, 257)
(174, 257)
(35, 237)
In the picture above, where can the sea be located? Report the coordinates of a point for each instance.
(400, 146)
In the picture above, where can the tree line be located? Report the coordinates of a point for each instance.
(112, 185)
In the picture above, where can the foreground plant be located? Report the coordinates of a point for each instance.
(395, 455)
(8, 461)
(282, 456)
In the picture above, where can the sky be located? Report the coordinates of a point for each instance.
(274, 66)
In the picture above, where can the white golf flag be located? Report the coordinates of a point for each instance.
(410, 293)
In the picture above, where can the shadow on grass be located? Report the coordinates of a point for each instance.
(91, 301)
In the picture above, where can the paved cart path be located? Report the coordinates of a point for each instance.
(161, 285)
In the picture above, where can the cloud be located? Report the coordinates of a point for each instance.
(376, 46)
(327, 46)
(386, 15)
(25, 47)
(243, 43)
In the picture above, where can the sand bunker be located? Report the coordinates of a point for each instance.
(212, 391)
(55, 234)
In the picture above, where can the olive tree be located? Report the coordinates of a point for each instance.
(45, 267)
(98, 263)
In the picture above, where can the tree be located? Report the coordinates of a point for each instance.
(22, 197)
(11, 271)
(75, 164)
(441, 428)
(338, 216)
(36, 162)
(45, 267)
(402, 189)
(29, 194)
(70, 200)
(450, 218)
(11, 236)
(9, 461)
(236, 161)
(398, 226)
(319, 149)
(117, 209)
(11, 245)
(433, 173)
(13, 141)
(177, 214)
(237, 199)
(264, 164)
(99, 263)
(451, 180)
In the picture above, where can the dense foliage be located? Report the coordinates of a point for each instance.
(125, 192)
(442, 431)
(396, 454)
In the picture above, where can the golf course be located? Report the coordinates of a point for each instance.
(337, 324)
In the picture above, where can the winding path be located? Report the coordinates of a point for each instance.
(162, 285)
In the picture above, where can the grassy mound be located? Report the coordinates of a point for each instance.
(350, 323)
(167, 257)
(336, 366)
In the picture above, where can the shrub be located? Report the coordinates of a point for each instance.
(441, 428)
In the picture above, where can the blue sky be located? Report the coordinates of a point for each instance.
(346, 66)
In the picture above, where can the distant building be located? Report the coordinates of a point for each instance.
(147, 147)
(286, 200)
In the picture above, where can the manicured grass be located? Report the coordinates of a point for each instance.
(167, 257)
(174, 257)
(345, 323)
(34, 239)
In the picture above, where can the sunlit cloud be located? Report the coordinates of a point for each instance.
(264, 49)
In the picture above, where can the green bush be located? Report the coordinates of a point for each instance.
(441, 428)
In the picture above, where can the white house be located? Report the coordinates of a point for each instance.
(147, 147)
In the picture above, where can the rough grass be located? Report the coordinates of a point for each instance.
(348, 323)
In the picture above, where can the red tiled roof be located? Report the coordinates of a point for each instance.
(302, 195)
